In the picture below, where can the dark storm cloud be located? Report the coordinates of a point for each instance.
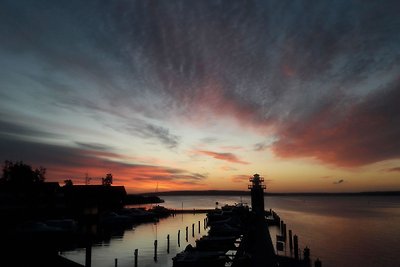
(303, 68)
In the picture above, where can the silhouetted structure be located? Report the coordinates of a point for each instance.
(257, 194)
(102, 198)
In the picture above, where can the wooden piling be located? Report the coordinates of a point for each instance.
(193, 230)
(187, 229)
(296, 247)
(306, 254)
(199, 227)
(179, 238)
(136, 257)
(168, 243)
(290, 241)
(88, 255)
(155, 250)
(116, 262)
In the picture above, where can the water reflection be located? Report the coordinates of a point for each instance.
(141, 237)
(341, 231)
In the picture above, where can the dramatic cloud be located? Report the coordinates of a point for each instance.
(318, 79)
(349, 135)
(65, 162)
(222, 156)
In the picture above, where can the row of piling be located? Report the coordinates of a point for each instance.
(293, 243)
(136, 252)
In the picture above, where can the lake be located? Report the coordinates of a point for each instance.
(340, 230)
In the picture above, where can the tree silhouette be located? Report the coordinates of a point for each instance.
(68, 183)
(20, 174)
(108, 180)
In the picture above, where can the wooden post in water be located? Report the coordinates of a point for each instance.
(193, 230)
(199, 227)
(179, 238)
(306, 255)
(296, 247)
(317, 263)
(187, 229)
(168, 243)
(116, 262)
(290, 241)
(136, 256)
(88, 254)
(155, 250)
(281, 227)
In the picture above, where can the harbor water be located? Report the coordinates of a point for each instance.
(341, 231)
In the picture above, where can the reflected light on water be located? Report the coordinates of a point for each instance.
(142, 237)
(341, 231)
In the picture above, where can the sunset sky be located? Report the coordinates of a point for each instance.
(203, 94)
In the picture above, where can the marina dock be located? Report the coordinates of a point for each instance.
(250, 230)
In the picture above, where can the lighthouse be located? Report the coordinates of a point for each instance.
(257, 194)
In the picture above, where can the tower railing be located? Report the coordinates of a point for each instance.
(251, 186)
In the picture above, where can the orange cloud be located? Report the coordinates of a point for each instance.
(64, 162)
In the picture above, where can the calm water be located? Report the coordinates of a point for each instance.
(341, 231)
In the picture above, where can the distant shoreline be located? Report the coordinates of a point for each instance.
(247, 193)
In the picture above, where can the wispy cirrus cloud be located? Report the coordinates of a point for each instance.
(147, 130)
(222, 156)
(94, 146)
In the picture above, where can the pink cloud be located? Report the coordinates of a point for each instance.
(365, 132)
